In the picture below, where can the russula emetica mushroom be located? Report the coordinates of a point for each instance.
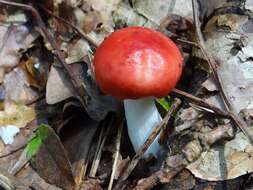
(136, 64)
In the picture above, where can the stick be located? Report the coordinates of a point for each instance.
(147, 143)
(213, 66)
(200, 102)
(80, 91)
(9, 182)
(118, 142)
(97, 150)
(96, 160)
(77, 29)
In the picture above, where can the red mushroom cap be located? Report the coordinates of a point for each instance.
(137, 62)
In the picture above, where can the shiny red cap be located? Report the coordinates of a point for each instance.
(137, 62)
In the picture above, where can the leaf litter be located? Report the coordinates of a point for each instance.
(197, 138)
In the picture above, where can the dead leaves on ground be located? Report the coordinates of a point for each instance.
(28, 70)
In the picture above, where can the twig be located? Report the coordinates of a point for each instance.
(97, 150)
(13, 151)
(77, 29)
(211, 62)
(100, 147)
(175, 163)
(9, 182)
(118, 142)
(22, 161)
(157, 178)
(147, 143)
(200, 102)
(213, 66)
(66, 69)
(35, 100)
(188, 42)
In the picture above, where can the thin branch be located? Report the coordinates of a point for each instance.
(98, 154)
(210, 60)
(146, 145)
(9, 182)
(213, 66)
(200, 102)
(77, 29)
(118, 142)
(13, 151)
(97, 150)
(36, 99)
(188, 42)
(80, 91)
(175, 163)
(157, 178)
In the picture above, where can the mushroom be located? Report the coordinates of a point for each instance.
(137, 64)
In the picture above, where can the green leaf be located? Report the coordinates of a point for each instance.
(165, 102)
(35, 143)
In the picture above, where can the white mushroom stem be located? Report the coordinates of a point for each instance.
(142, 117)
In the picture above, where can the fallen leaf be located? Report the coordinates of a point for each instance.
(105, 8)
(153, 10)
(78, 51)
(10, 154)
(90, 184)
(91, 21)
(30, 177)
(16, 114)
(186, 118)
(13, 39)
(58, 87)
(183, 181)
(233, 51)
(17, 86)
(249, 5)
(157, 10)
(125, 15)
(225, 161)
(50, 159)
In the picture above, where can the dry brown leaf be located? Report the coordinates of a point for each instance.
(91, 21)
(52, 164)
(13, 39)
(17, 86)
(16, 114)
